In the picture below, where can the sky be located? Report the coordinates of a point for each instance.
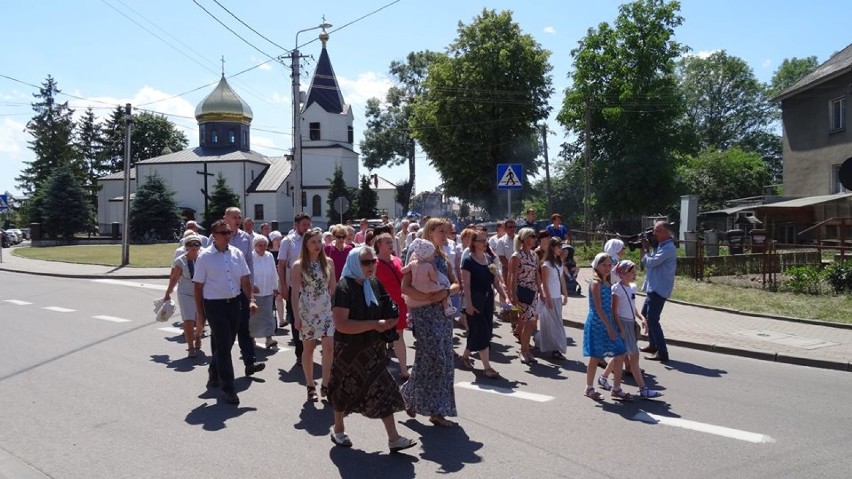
(110, 52)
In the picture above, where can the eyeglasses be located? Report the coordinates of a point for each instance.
(193, 245)
(368, 262)
(223, 233)
(479, 240)
(511, 227)
(340, 236)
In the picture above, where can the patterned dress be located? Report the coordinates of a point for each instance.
(596, 342)
(315, 304)
(526, 278)
(429, 389)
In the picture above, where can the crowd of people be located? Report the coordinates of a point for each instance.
(358, 293)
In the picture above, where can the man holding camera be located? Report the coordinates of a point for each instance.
(660, 266)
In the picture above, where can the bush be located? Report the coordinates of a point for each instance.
(839, 277)
(806, 279)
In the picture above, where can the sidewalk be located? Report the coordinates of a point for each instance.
(766, 338)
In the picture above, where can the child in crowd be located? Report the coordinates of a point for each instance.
(424, 276)
(602, 335)
(570, 271)
(624, 306)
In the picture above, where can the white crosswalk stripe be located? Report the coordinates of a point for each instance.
(112, 318)
(17, 302)
(59, 309)
(505, 392)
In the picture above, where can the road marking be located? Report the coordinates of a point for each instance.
(703, 427)
(134, 284)
(17, 301)
(112, 318)
(59, 309)
(505, 392)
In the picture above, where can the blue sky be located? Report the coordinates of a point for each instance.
(99, 50)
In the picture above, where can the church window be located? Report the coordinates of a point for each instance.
(202, 132)
(315, 131)
(351, 135)
(245, 138)
(258, 212)
(214, 137)
(232, 138)
(316, 207)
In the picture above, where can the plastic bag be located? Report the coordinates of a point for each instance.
(163, 309)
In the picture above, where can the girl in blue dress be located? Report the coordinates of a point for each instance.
(602, 335)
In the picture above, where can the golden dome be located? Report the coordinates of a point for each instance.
(223, 104)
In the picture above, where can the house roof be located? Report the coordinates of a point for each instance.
(838, 64)
(205, 155)
(379, 183)
(806, 201)
(324, 90)
(272, 177)
(119, 175)
(729, 211)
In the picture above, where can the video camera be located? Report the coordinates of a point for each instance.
(635, 242)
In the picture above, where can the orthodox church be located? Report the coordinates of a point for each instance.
(264, 184)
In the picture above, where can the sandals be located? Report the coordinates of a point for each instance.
(557, 355)
(191, 353)
(312, 394)
(620, 395)
(603, 382)
(442, 421)
(527, 358)
(467, 362)
(592, 393)
(649, 393)
(400, 444)
(490, 373)
(341, 439)
(323, 390)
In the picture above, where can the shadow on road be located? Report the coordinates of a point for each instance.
(212, 417)
(315, 418)
(355, 463)
(182, 365)
(450, 448)
(690, 368)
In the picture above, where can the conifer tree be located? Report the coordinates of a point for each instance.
(339, 189)
(64, 207)
(222, 198)
(368, 200)
(154, 214)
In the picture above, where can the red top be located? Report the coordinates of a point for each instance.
(338, 256)
(389, 273)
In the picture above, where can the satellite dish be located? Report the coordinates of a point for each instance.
(846, 174)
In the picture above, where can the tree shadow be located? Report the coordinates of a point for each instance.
(182, 365)
(212, 417)
(355, 464)
(689, 368)
(451, 448)
(315, 420)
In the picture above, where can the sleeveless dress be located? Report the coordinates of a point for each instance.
(596, 342)
(526, 278)
(185, 287)
(315, 304)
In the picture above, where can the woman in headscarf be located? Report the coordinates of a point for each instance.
(360, 381)
(614, 247)
(182, 270)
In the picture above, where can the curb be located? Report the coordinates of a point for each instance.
(785, 358)
(791, 319)
(86, 276)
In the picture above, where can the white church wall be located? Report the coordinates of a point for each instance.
(334, 128)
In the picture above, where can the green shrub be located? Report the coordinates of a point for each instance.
(839, 277)
(806, 279)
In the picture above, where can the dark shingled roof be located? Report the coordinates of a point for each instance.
(324, 89)
(838, 64)
(200, 155)
(272, 177)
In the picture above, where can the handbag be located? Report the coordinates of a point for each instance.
(525, 295)
(389, 310)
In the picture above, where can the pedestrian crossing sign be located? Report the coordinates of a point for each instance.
(510, 176)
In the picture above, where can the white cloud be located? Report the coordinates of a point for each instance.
(365, 86)
(703, 54)
(550, 30)
(766, 63)
(281, 99)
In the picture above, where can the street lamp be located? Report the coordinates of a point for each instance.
(297, 119)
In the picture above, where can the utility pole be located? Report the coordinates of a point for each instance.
(125, 233)
(546, 169)
(588, 154)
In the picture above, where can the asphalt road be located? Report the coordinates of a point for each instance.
(85, 395)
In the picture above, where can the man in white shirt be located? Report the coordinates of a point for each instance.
(492, 240)
(221, 276)
(506, 247)
(399, 244)
(288, 253)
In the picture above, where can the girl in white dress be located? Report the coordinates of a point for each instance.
(551, 337)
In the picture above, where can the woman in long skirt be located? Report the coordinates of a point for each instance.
(551, 338)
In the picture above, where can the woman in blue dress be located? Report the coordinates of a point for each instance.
(602, 336)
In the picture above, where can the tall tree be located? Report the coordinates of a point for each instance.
(221, 198)
(89, 144)
(338, 189)
(367, 201)
(718, 176)
(150, 134)
(625, 101)
(480, 105)
(790, 71)
(52, 129)
(725, 103)
(388, 140)
(64, 207)
(154, 213)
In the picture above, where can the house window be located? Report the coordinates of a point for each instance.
(316, 206)
(837, 114)
(232, 137)
(836, 186)
(214, 137)
(315, 131)
(258, 212)
(350, 135)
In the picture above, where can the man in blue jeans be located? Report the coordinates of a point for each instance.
(660, 266)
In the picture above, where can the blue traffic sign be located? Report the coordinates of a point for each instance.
(4, 202)
(510, 176)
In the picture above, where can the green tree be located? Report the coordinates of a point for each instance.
(52, 129)
(154, 213)
(388, 140)
(566, 191)
(789, 72)
(367, 200)
(221, 198)
(480, 105)
(64, 207)
(717, 176)
(625, 100)
(149, 135)
(89, 144)
(336, 190)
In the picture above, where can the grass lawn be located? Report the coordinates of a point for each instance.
(141, 256)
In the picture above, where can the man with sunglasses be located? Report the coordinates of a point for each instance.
(221, 277)
(506, 247)
(244, 242)
(288, 253)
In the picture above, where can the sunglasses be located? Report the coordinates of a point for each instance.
(340, 236)
(368, 262)
(193, 245)
(223, 233)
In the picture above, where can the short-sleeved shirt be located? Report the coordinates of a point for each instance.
(187, 268)
(506, 247)
(338, 256)
(481, 278)
(220, 272)
(244, 242)
(626, 301)
(350, 295)
(560, 232)
(288, 252)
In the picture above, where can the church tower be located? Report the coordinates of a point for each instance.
(224, 120)
(327, 137)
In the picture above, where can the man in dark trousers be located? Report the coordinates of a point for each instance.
(660, 266)
(243, 242)
(221, 277)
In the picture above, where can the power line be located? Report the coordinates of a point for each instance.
(249, 27)
(232, 31)
(353, 21)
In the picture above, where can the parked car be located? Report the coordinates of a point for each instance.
(26, 232)
(5, 239)
(19, 234)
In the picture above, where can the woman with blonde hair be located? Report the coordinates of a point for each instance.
(312, 308)
(338, 250)
(524, 282)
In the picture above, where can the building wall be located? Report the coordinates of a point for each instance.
(107, 211)
(810, 149)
